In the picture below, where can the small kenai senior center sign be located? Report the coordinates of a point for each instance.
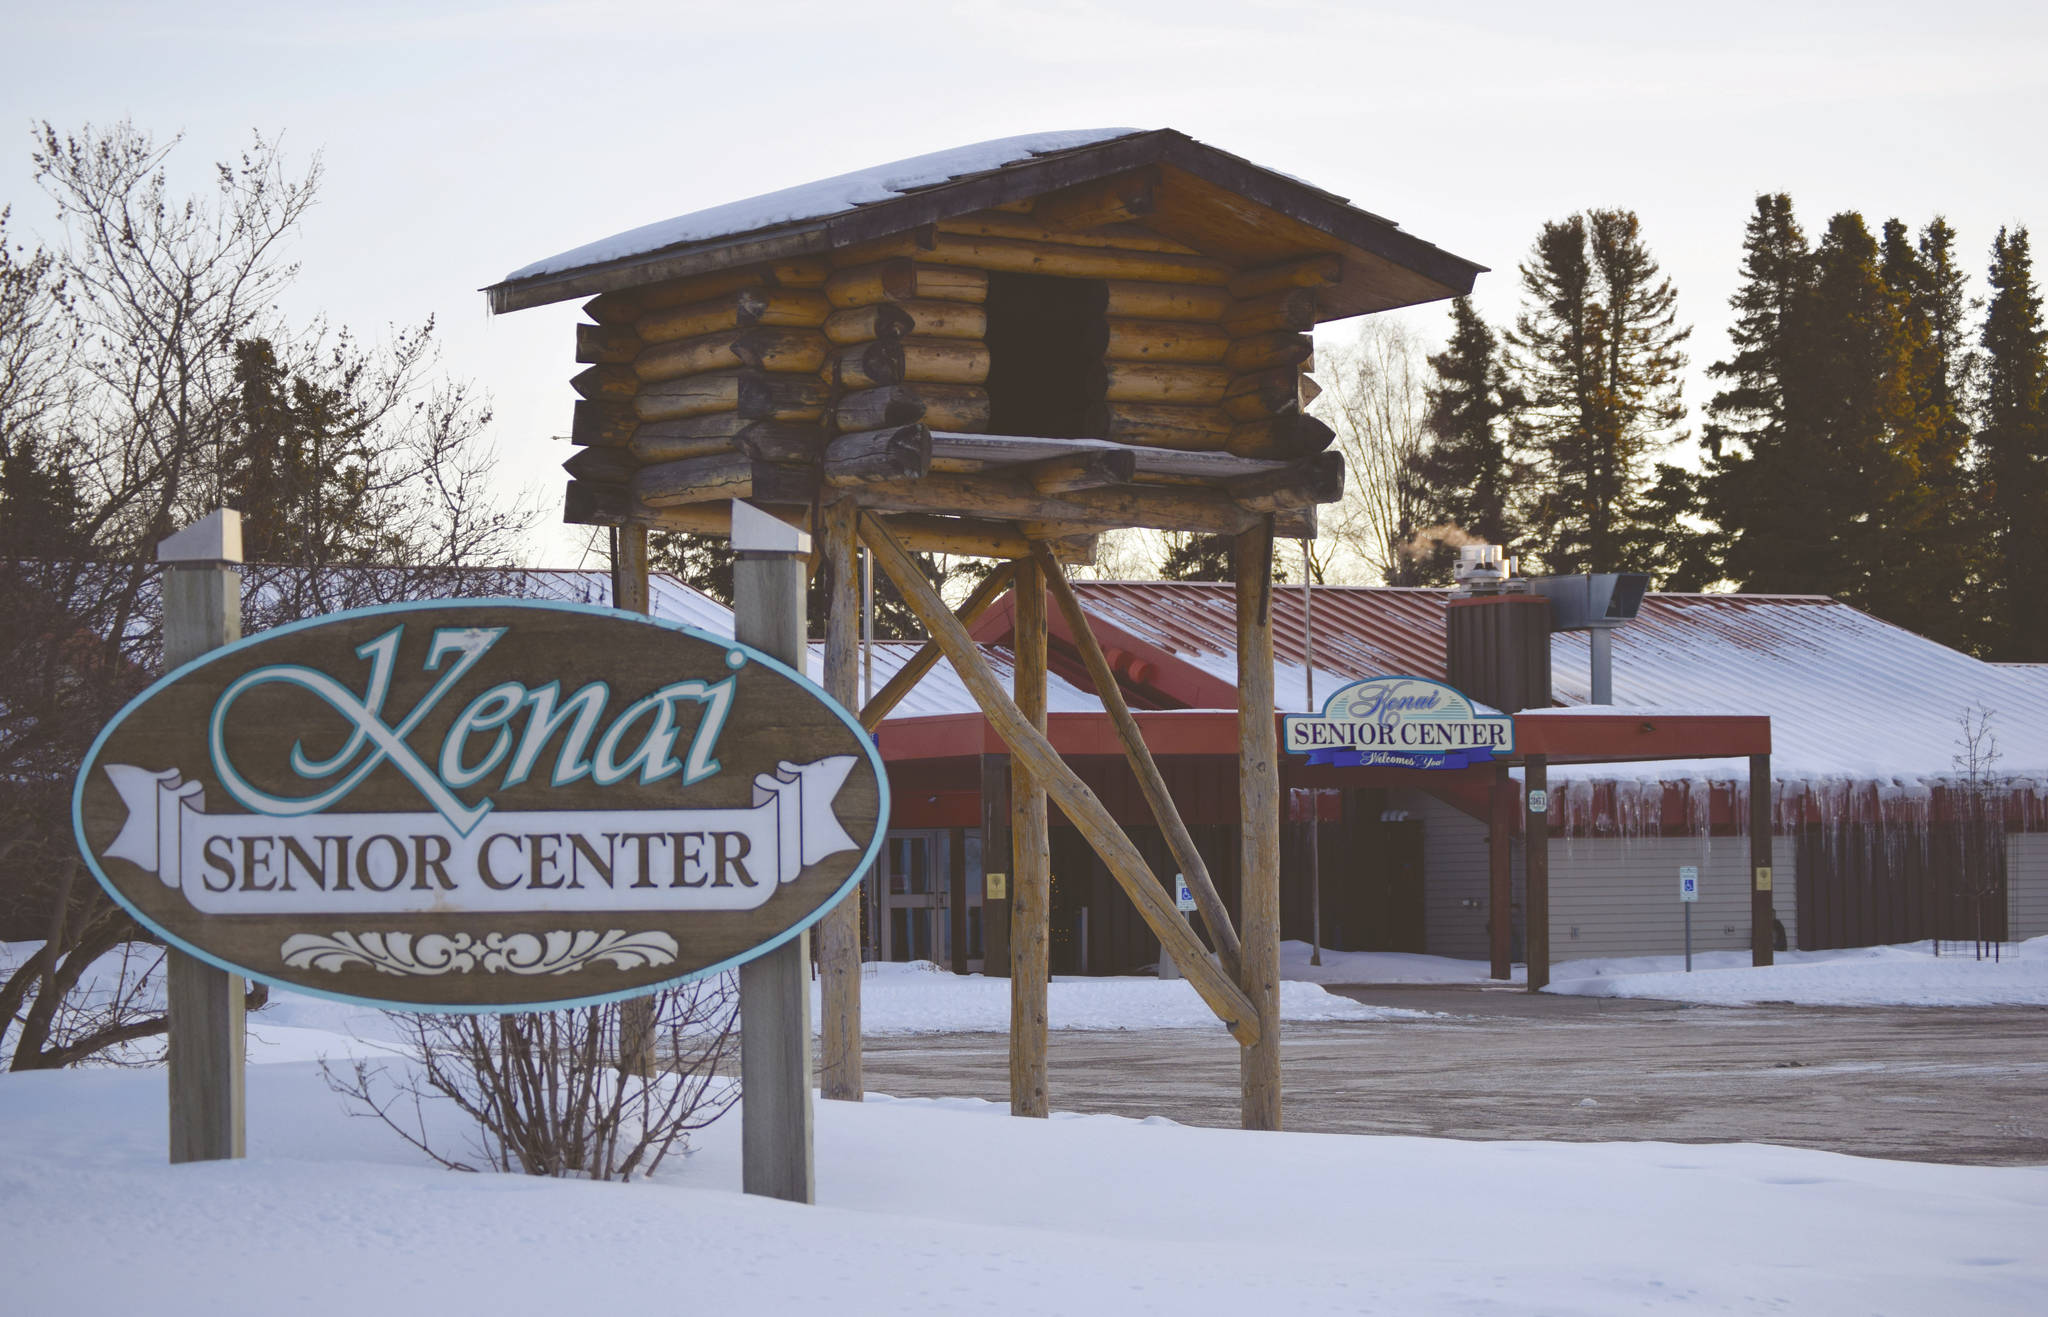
(1400, 722)
(486, 804)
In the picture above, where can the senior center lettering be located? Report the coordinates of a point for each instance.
(1401, 722)
(480, 789)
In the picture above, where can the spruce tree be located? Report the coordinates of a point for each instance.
(1931, 539)
(1855, 363)
(1756, 435)
(1200, 558)
(2012, 453)
(1596, 354)
(1468, 475)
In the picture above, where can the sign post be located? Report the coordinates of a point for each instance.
(775, 988)
(1183, 901)
(1688, 895)
(202, 610)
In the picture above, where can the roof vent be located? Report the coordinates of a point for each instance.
(1484, 569)
(1597, 602)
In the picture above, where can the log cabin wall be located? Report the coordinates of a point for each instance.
(735, 384)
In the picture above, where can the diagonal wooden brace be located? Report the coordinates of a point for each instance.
(1072, 795)
(898, 686)
(1192, 867)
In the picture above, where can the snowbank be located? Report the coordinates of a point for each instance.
(950, 1206)
(1378, 967)
(919, 997)
(1908, 975)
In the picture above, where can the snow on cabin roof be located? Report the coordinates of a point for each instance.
(821, 199)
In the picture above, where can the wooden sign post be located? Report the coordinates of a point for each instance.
(202, 610)
(768, 585)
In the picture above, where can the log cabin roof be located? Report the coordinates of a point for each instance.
(1215, 203)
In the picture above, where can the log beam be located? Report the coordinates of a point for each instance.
(603, 424)
(902, 280)
(1258, 779)
(607, 343)
(749, 308)
(1318, 479)
(1280, 437)
(1143, 300)
(1289, 308)
(794, 351)
(914, 318)
(1030, 749)
(1030, 860)
(1318, 271)
(722, 477)
(1064, 260)
(1086, 470)
(1119, 200)
(1003, 497)
(839, 1071)
(753, 394)
(873, 456)
(1184, 342)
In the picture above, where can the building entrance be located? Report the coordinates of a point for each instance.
(926, 895)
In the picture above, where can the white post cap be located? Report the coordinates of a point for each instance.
(216, 537)
(755, 531)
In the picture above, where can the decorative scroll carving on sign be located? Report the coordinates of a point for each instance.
(557, 952)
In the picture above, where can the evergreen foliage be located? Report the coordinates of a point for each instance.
(2012, 454)
(1468, 476)
(1773, 521)
(1200, 558)
(1596, 357)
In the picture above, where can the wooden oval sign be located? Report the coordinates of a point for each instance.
(482, 804)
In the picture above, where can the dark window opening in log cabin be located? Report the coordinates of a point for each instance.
(1045, 338)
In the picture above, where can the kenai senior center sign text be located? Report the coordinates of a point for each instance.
(488, 804)
(1400, 722)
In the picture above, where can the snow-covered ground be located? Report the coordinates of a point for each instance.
(1908, 975)
(919, 997)
(1379, 967)
(951, 1206)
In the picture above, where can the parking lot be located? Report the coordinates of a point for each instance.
(1964, 1085)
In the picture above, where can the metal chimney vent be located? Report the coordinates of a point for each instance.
(1596, 604)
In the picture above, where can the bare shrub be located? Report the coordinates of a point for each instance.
(545, 1090)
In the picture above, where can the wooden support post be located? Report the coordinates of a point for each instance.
(839, 931)
(1258, 794)
(1192, 867)
(1536, 871)
(1762, 921)
(202, 611)
(630, 593)
(995, 859)
(1500, 878)
(769, 581)
(1030, 863)
(1083, 809)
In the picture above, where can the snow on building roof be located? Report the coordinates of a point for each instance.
(817, 200)
(940, 690)
(1848, 695)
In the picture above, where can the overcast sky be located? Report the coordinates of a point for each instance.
(461, 141)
